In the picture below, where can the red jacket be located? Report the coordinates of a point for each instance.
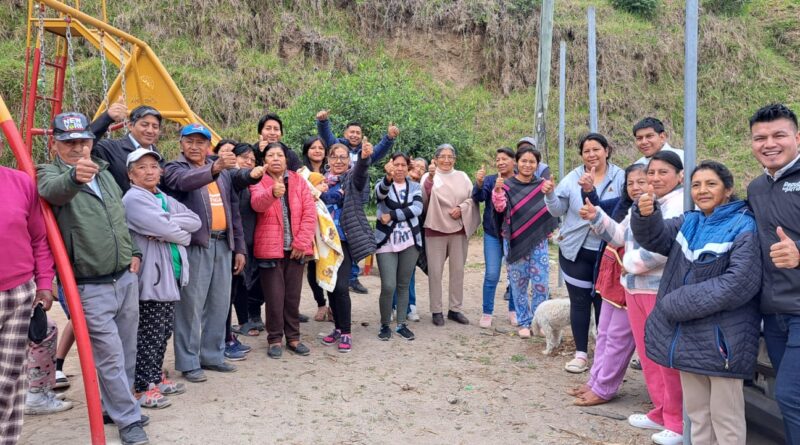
(268, 239)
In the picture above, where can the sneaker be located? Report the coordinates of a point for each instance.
(357, 287)
(42, 403)
(152, 398)
(512, 318)
(412, 313)
(61, 380)
(133, 434)
(233, 353)
(195, 376)
(332, 338)
(486, 321)
(385, 333)
(242, 347)
(636, 364)
(403, 331)
(168, 387)
(222, 367)
(345, 343)
(55, 395)
(667, 437)
(643, 422)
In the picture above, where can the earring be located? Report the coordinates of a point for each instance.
(327, 167)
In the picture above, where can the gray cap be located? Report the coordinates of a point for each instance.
(528, 140)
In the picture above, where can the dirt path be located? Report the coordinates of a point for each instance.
(456, 385)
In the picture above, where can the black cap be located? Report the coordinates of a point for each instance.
(69, 126)
(142, 111)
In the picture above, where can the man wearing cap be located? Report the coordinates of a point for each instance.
(651, 137)
(206, 187)
(87, 204)
(143, 131)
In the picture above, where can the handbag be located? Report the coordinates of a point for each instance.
(37, 330)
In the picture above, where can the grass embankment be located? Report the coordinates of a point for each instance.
(459, 72)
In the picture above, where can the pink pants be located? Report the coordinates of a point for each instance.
(663, 384)
(612, 352)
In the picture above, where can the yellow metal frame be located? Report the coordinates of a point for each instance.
(147, 82)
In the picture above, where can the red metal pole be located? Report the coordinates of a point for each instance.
(23, 118)
(60, 67)
(31, 105)
(25, 163)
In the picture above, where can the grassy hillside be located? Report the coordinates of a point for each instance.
(446, 71)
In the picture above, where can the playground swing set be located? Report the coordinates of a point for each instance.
(141, 80)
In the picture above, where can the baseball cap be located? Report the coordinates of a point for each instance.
(529, 140)
(69, 126)
(196, 129)
(142, 111)
(139, 153)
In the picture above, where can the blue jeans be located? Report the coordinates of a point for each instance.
(354, 271)
(412, 293)
(493, 258)
(782, 336)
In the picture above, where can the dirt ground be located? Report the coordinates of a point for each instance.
(453, 384)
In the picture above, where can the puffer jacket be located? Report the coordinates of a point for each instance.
(706, 319)
(268, 238)
(95, 233)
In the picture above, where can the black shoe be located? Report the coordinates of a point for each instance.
(438, 319)
(133, 434)
(303, 318)
(457, 317)
(222, 367)
(299, 349)
(357, 287)
(507, 294)
(385, 334)
(144, 420)
(275, 351)
(403, 331)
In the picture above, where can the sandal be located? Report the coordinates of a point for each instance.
(249, 329)
(577, 365)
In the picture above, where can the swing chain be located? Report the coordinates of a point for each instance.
(41, 82)
(71, 62)
(104, 71)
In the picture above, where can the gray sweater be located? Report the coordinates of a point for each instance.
(153, 229)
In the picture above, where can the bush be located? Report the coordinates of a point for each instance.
(725, 7)
(644, 8)
(380, 92)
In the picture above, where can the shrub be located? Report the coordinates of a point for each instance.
(644, 8)
(725, 7)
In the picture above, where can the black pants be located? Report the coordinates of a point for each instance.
(311, 276)
(246, 302)
(340, 297)
(579, 275)
(156, 322)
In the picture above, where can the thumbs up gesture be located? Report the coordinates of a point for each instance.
(257, 172)
(587, 180)
(279, 188)
(366, 149)
(118, 110)
(647, 202)
(588, 212)
(480, 175)
(784, 253)
(322, 115)
(85, 168)
(548, 186)
(498, 186)
(226, 159)
(393, 131)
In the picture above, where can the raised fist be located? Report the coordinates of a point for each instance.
(322, 115)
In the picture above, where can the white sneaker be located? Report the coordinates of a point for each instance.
(37, 403)
(413, 315)
(644, 422)
(61, 380)
(667, 437)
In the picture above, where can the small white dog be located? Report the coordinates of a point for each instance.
(550, 320)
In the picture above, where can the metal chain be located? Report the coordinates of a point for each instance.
(41, 83)
(73, 83)
(123, 90)
(104, 71)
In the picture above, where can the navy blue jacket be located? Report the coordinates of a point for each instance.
(706, 319)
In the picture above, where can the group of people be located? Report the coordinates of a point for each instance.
(165, 249)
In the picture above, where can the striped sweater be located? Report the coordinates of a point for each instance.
(643, 268)
(408, 210)
(526, 221)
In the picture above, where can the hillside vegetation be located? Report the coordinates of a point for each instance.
(458, 71)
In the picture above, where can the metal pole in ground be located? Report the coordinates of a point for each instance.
(543, 75)
(592, 71)
(562, 120)
(689, 131)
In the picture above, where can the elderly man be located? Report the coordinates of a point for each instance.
(88, 206)
(206, 187)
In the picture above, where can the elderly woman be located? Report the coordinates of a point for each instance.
(161, 227)
(283, 239)
(399, 237)
(345, 202)
(578, 247)
(452, 217)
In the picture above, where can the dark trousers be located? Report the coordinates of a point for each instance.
(340, 297)
(782, 336)
(578, 276)
(246, 302)
(156, 321)
(311, 276)
(281, 285)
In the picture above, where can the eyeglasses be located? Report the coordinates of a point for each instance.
(339, 158)
(446, 157)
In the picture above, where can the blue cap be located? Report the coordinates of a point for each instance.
(196, 129)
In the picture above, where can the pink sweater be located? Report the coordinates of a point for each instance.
(22, 234)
